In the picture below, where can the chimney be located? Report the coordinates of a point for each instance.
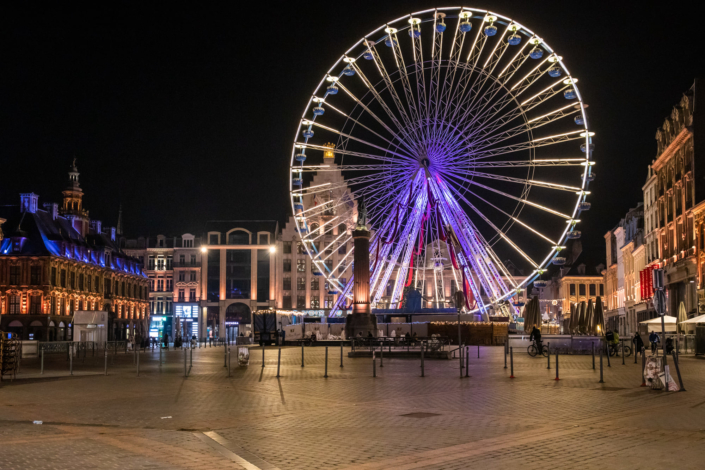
(52, 208)
(112, 233)
(29, 202)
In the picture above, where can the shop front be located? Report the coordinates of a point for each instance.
(188, 320)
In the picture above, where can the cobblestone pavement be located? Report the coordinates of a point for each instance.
(254, 420)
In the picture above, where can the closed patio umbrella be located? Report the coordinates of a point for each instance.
(682, 316)
(590, 318)
(599, 318)
(573, 313)
(583, 318)
(529, 320)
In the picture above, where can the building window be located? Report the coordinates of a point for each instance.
(342, 268)
(192, 295)
(287, 283)
(315, 302)
(182, 295)
(160, 305)
(572, 290)
(53, 276)
(287, 265)
(151, 263)
(300, 248)
(581, 289)
(160, 264)
(328, 302)
(35, 274)
(169, 263)
(286, 302)
(193, 260)
(72, 279)
(182, 259)
(301, 265)
(169, 285)
(35, 304)
(287, 248)
(160, 285)
(343, 281)
(263, 239)
(14, 275)
(80, 281)
(315, 283)
(14, 304)
(329, 265)
(342, 249)
(300, 283)
(239, 238)
(193, 276)
(301, 301)
(602, 289)
(88, 282)
(182, 276)
(593, 290)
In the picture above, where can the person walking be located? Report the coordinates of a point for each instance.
(653, 339)
(638, 342)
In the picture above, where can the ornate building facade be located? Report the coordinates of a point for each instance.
(56, 261)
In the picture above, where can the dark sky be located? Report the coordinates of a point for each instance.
(187, 114)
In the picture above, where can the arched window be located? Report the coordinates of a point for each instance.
(238, 237)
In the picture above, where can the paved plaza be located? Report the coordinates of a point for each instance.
(349, 420)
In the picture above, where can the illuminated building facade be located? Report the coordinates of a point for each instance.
(55, 261)
(239, 275)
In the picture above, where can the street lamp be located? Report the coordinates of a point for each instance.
(459, 302)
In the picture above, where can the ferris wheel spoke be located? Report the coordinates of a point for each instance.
(389, 162)
(358, 123)
(357, 139)
(509, 179)
(415, 120)
(383, 104)
(409, 128)
(423, 116)
(531, 163)
(434, 83)
(453, 62)
(515, 198)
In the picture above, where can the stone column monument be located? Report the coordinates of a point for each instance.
(361, 320)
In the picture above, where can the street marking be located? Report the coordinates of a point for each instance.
(238, 455)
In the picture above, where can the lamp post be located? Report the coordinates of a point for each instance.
(459, 302)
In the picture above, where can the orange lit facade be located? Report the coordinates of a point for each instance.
(50, 268)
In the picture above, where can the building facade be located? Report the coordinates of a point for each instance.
(55, 261)
(238, 275)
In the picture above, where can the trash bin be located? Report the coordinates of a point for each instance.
(243, 356)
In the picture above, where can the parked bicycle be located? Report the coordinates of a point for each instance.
(533, 350)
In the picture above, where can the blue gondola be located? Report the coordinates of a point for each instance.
(298, 208)
(440, 27)
(318, 273)
(318, 110)
(415, 33)
(584, 206)
(570, 94)
(582, 147)
(333, 292)
(490, 30)
(389, 42)
(300, 157)
(555, 71)
(540, 283)
(465, 27)
(591, 177)
(332, 90)
(558, 261)
(349, 71)
(308, 133)
(514, 40)
(536, 53)
(579, 120)
(297, 181)
(368, 55)
(574, 235)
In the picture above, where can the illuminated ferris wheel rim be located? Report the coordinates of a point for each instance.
(389, 32)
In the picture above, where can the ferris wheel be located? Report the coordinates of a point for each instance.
(467, 138)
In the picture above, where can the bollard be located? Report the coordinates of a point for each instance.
(643, 367)
(460, 358)
(225, 356)
(593, 355)
(635, 353)
(511, 361)
(374, 364)
(341, 354)
(678, 370)
(229, 363)
(686, 344)
(106, 361)
(302, 353)
(557, 367)
(42, 370)
(478, 351)
(71, 359)
(191, 357)
(548, 356)
(601, 381)
(381, 355)
(423, 343)
(262, 355)
(279, 360)
(134, 355)
(138, 364)
(185, 373)
(160, 356)
(506, 347)
(325, 375)
(467, 361)
(623, 352)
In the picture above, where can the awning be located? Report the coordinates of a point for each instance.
(700, 319)
(666, 319)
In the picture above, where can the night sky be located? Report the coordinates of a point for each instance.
(187, 114)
